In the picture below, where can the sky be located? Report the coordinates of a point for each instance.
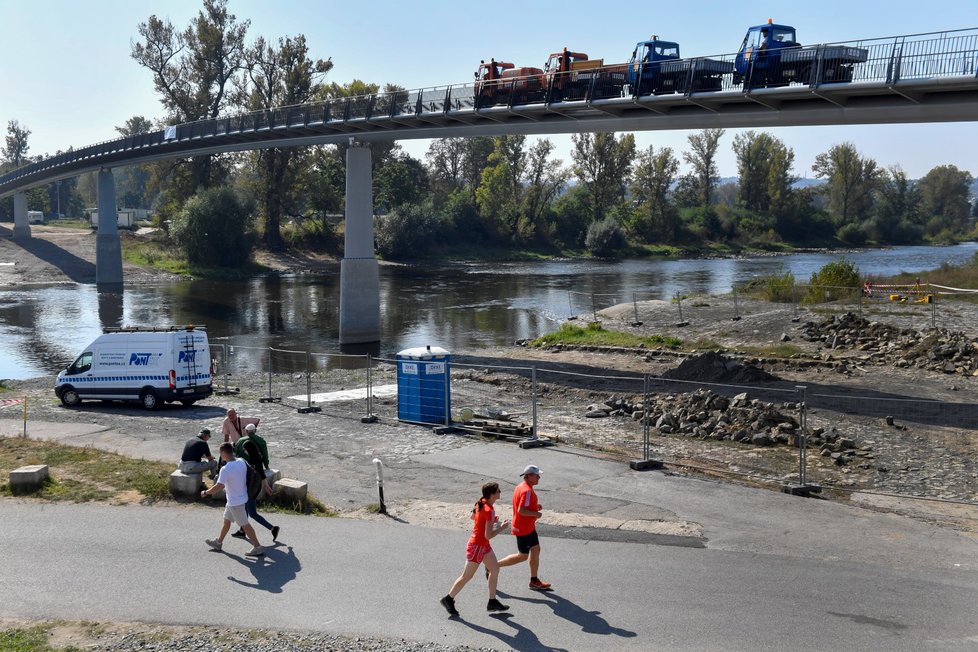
(67, 74)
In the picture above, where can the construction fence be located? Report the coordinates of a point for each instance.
(773, 432)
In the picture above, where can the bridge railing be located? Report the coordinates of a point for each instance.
(887, 60)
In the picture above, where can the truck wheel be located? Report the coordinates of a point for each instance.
(150, 400)
(187, 402)
(70, 397)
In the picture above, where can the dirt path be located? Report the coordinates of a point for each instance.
(58, 255)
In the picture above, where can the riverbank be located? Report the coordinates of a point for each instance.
(60, 255)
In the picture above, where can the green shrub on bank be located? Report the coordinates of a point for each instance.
(605, 239)
(779, 287)
(834, 281)
(594, 335)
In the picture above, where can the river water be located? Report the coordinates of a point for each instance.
(455, 306)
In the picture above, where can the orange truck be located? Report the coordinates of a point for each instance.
(572, 76)
(499, 82)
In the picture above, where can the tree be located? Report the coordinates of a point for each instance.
(602, 163)
(16, 147)
(499, 193)
(132, 180)
(212, 228)
(195, 72)
(764, 169)
(897, 211)
(653, 176)
(280, 76)
(401, 180)
(544, 179)
(851, 181)
(945, 199)
(445, 161)
(702, 158)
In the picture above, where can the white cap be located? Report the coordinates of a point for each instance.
(250, 427)
(531, 469)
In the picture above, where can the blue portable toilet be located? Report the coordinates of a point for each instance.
(424, 385)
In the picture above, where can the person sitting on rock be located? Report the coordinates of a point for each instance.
(194, 452)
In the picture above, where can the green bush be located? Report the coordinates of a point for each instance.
(778, 287)
(853, 235)
(212, 229)
(406, 232)
(605, 238)
(312, 233)
(834, 281)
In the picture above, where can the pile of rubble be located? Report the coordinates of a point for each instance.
(706, 415)
(950, 352)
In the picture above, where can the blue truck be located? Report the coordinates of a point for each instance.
(771, 56)
(655, 68)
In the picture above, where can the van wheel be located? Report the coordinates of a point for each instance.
(187, 402)
(150, 400)
(70, 397)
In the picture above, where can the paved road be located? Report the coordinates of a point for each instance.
(773, 572)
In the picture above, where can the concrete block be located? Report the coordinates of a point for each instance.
(292, 489)
(273, 475)
(29, 477)
(186, 484)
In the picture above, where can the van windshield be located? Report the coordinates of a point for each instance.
(82, 364)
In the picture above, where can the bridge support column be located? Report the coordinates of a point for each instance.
(108, 247)
(22, 228)
(359, 273)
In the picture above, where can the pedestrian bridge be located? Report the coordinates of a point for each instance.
(907, 79)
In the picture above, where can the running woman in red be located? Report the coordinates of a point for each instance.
(526, 511)
(486, 525)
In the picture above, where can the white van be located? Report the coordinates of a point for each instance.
(35, 217)
(149, 365)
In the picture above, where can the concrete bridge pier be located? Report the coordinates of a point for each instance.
(108, 247)
(359, 273)
(22, 228)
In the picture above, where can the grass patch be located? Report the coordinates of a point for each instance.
(155, 254)
(71, 223)
(595, 335)
(31, 639)
(83, 474)
(311, 506)
(772, 351)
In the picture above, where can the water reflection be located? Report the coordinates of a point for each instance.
(453, 306)
(110, 308)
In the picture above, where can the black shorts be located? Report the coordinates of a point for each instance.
(526, 541)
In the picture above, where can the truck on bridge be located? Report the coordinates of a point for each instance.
(572, 76)
(770, 56)
(499, 82)
(655, 68)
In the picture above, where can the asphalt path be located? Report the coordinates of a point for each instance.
(767, 571)
(150, 564)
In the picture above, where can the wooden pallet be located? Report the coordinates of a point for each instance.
(500, 428)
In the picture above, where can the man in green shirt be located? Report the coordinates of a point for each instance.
(239, 450)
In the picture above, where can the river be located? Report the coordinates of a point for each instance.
(456, 306)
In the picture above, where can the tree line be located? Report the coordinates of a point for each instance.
(611, 199)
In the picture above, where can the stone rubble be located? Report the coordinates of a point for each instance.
(942, 350)
(709, 416)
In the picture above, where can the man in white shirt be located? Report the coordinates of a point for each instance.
(234, 480)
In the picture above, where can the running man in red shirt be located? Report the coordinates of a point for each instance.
(526, 511)
(486, 526)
